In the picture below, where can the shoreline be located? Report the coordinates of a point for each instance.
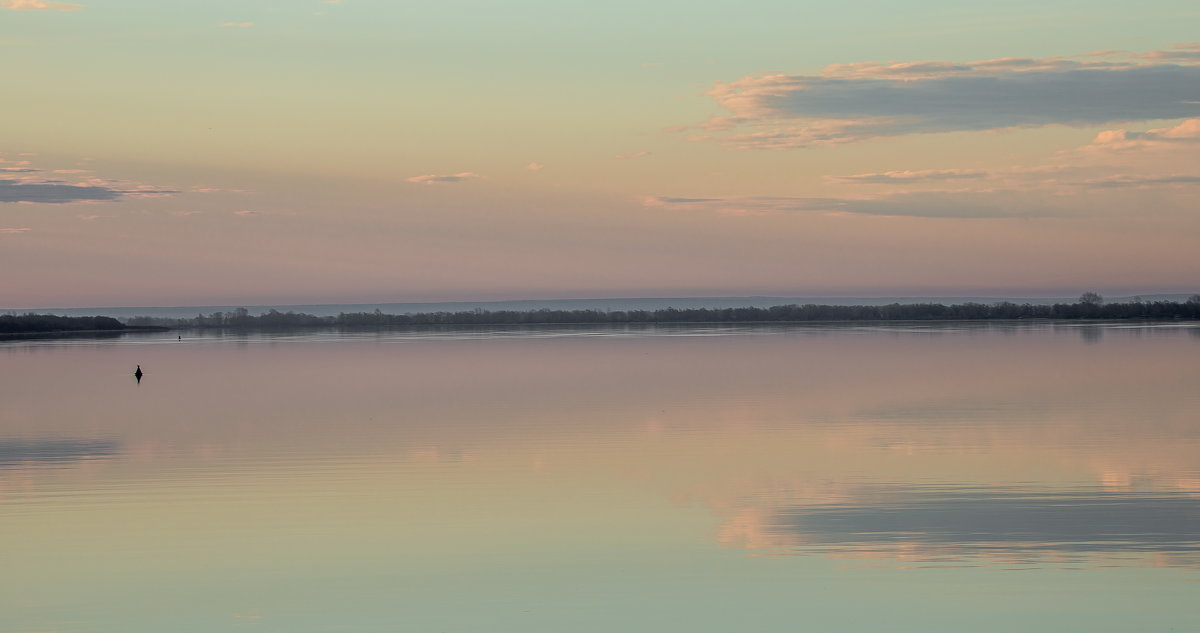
(129, 329)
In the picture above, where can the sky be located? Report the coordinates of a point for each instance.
(311, 151)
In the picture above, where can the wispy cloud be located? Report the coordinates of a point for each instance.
(238, 24)
(1142, 181)
(1180, 53)
(432, 179)
(924, 204)
(633, 155)
(854, 102)
(14, 231)
(245, 212)
(23, 182)
(904, 177)
(60, 193)
(534, 166)
(38, 5)
(1078, 182)
(17, 191)
(217, 190)
(1161, 157)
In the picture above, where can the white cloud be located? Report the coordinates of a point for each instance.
(431, 179)
(853, 102)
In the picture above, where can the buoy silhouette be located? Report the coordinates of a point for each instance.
(137, 373)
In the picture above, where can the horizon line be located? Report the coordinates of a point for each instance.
(982, 296)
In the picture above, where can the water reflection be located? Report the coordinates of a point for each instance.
(503, 468)
(54, 451)
(1091, 333)
(1011, 525)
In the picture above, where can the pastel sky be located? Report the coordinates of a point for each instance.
(303, 151)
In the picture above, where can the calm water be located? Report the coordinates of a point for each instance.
(952, 478)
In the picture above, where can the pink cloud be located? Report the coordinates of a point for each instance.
(14, 231)
(38, 5)
(632, 155)
(534, 166)
(1118, 140)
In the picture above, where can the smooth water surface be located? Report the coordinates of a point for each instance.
(982, 477)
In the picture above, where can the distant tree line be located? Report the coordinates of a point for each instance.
(30, 323)
(1090, 306)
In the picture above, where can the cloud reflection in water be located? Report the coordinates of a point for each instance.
(54, 451)
(1006, 525)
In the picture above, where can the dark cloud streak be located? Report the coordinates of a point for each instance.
(57, 193)
(854, 102)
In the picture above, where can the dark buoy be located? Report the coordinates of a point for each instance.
(137, 373)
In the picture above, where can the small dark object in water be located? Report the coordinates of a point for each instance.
(137, 373)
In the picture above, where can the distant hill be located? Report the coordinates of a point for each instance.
(604, 304)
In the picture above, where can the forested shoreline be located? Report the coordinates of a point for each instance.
(34, 323)
(1088, 307)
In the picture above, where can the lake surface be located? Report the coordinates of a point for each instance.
(953, 477)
